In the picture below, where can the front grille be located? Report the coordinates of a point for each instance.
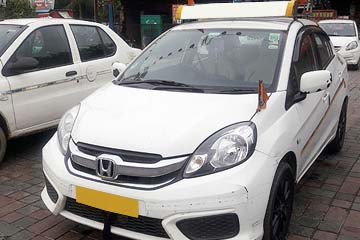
(84, 161)
(51, 191)
(216, 227)
(127, 156)
(122, 179)
(144, 225)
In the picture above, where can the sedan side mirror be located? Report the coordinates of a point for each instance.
(118, 68)
(21, 65)
(315, 81)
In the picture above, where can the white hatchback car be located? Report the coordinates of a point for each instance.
(176, 147)
(345, 37)
(49, 65)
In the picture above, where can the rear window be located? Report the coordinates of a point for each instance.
(8, 33)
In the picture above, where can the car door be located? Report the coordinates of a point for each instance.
(311, 107)
(42, 77)
(97, 53)
(6, 107)
(328, 61)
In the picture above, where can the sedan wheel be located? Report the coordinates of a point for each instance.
(336, 145)
(278, 213)
(3, 144)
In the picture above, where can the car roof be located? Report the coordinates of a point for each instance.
(30, 21)
(337, 21)
(271, 23)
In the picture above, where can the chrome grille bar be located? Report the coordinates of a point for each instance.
(129, 168)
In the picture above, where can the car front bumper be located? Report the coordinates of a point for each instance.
(351, 57)
(242, 191)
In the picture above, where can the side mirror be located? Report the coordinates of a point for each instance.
(315, 81)
(118, 68)
(21, 65)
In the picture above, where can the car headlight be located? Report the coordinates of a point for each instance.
(351, 46)
(226, 148)
(65, 127)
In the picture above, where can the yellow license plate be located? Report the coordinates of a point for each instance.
(108, 202)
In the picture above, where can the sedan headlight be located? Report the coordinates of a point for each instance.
(226, 148)
(65, 127)
(351, 46)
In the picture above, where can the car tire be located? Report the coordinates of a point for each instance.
(280, 204)
(355, 66)
(3, 144)
(336, 145)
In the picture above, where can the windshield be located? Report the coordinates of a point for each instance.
(212, 60)
(339, 29)
(7, 34)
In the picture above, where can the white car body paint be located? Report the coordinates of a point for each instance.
(25, 108)
(176, 123)
(341, 42)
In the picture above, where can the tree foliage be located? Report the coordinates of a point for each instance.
(18, 9)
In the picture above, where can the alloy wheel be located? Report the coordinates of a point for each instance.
(281, 213)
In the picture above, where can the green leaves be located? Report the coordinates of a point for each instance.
(18, 9)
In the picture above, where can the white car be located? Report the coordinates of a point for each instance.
(180, 147)
(345, 37)
(49, 65)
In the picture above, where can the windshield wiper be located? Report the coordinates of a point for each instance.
(164, 84)
(238, 90)
(157, 82)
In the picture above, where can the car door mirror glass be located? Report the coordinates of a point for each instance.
(315, 81)
(22, 65)
(118, 68)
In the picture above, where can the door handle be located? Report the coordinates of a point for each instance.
(326, 97)
(71, 73)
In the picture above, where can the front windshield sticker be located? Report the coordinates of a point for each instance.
(273, 47)
(274, 38)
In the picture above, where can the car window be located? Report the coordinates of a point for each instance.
(109, 45)
(324, 51)
(8, 34)
(49, 46)
(212, 59)
(306, 61)
(93, 43)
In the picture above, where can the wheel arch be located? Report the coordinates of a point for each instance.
(290, 158)
(4, 125)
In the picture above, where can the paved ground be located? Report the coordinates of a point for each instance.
(327, 204)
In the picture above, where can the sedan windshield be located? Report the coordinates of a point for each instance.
(208, 60)
(7, 34)
(339, 29)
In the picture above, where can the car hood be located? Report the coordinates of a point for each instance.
(342, 41)
(162, 122)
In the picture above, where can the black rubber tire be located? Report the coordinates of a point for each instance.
(336, 145)
(280, 208)
(3, 144)
(353, 67)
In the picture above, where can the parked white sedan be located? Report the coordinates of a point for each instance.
(50, 65)
(187, 144)
(345, 37)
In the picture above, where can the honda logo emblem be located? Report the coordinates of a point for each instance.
(105, 168)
